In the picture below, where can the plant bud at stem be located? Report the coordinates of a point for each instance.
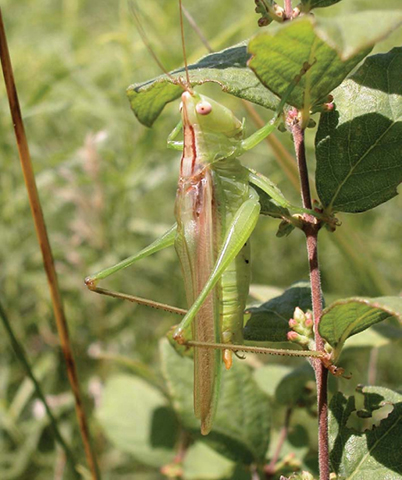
(292, 323)
(298, 315)
(292, 336)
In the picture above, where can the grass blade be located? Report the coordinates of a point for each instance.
(22, 357)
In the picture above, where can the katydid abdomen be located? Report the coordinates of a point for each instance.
(212, 187)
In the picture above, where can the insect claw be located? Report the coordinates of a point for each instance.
(90, 283)
(179, 337)
(240, 356)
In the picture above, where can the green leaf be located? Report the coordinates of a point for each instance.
(345, 318)
(272, 200)
(269, 206)
(203, 463)
(297, 388)
(331, 47)
(137, 419)
(296, 444)
(373, 454)
(376, 337)
(308, 5)
(269, 321)
(290, 387)
(228, 68)
(359, 145)
(268, 377)
(244, 440)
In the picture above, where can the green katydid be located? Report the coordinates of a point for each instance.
(216, 210)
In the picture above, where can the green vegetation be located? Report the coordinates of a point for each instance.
(108, 185)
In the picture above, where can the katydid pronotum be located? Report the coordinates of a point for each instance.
(216, 211)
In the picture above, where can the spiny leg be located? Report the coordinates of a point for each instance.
(166, 240)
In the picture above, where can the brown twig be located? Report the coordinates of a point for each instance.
(43, 239)
(311, 231)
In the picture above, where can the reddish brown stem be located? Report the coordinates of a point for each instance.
(321, 373)
(298, 139)
(41, 232)
(270, 468)
(288, 8)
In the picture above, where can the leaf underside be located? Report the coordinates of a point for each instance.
(228, 68)
(269, 321)
(345, 318)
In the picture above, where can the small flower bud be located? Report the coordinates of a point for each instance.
(299, 315)
(297, 338)
(292, 336)
(292, 323)
(308, 322)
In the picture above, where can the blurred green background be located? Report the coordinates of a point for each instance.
(108, 186)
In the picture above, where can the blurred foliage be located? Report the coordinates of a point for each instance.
(107, 185)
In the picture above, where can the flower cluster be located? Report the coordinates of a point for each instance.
(302, 329)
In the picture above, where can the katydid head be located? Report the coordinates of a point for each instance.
(209, 116)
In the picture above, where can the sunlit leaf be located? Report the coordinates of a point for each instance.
(345, 318)
(374, 453)
(203, 463)
(228, 68)
(359, 144)
(136, 417)
(332, 48)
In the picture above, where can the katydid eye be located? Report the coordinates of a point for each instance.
(203, 108)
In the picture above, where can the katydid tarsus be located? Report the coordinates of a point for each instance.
(216, 211)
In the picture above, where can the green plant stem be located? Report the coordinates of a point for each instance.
(22, 357)
(43, 239)
(311, 231)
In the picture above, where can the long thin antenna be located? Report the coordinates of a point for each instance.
(43, 239)
(146, 41)
(197, 29)
(183, 43)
